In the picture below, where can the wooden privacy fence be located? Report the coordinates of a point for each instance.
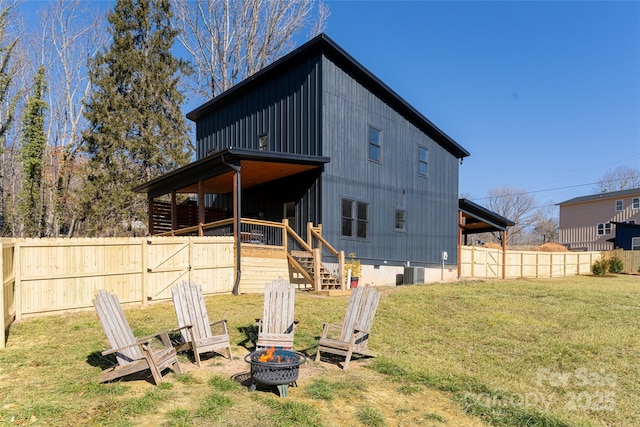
(630, 259)
(479, 262)
(57, 275)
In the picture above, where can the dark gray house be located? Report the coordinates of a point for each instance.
(317, 138)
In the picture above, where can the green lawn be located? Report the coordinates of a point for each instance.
(525, 352)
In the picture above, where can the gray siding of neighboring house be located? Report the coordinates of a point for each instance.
(431, 203)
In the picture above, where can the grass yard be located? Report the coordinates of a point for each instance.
(555, 352)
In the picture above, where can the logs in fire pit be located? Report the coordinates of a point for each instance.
(277, 367)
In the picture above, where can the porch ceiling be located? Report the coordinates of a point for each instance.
(253, 173)
(478, 219)
(216, 171)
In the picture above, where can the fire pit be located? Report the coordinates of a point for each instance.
(277, 367)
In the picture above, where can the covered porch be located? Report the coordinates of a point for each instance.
(252, 196)
(476, 219)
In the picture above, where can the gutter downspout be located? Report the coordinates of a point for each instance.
(236, 223)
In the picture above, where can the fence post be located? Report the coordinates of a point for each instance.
(3, 314)
(473, 261)
(17, 292)
(317, 280)
(145, 273)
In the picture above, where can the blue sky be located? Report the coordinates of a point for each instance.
(544, 95)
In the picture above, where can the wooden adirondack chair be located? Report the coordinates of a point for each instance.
(133, 355)
(193, 320)
(356, 326)
(277, 325)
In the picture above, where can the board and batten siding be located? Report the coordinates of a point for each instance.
(285, 107)
(430, 203)
(578, 222)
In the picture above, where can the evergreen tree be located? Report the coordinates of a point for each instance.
(31, 155)
(137, 131)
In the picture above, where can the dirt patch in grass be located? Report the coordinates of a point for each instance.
(352, 390)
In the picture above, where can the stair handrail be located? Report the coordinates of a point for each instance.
(313, 232)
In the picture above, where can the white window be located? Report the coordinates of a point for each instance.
(635, 203)
(635, 243)
(619, 205)
(604, 229)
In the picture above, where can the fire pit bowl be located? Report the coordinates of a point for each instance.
(277, 367)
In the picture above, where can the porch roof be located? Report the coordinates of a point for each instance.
(479, 219)
(217, 169)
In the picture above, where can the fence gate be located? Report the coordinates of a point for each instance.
(207, 261)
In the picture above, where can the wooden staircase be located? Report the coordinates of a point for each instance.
(306, 258)
(328, 281)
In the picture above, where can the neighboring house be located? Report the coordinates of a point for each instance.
(316, 137)
(627, 236)
(588, 223)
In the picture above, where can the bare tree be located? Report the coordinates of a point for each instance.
(546, 225)
(619, 178)
(230, 40)
(516, 205)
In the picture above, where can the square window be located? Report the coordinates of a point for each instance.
(635, 243)
(635, 203)
(619, 205)
(423, 156)
(355, 219)
(400, 222)
(604, 229)
(375, 140)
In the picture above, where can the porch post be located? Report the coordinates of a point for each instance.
(201, 218)
(459, 242)
(174, 213)
(237, 220)
(150, 216)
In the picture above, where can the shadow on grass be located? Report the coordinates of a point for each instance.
(109, 362)
(251, 337)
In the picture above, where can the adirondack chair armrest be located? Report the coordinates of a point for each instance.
(115, 350)
(327, 327)
(163, 335)
(222, 325)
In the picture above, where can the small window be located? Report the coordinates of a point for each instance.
(635, 243)
(604, 229)
(401, 220)
(635, 203)
(363, 220)
(375, 140)
(263, 141)
(423, 161)
(619, 205)
(631, 221)
(355, 219)
(347, 218)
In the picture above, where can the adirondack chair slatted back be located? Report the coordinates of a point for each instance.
(116, 327)
(191, 310)
(278, 314)
(360, 313)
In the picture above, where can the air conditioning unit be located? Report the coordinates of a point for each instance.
(413, 275)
